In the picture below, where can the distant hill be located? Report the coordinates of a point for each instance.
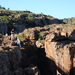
(29, 19)
(26, 17)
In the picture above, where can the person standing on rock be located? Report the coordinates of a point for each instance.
(18, 42)
(12, 34)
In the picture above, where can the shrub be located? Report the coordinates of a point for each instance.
(22, 35)
(4, 19)
(30, 22)
(40, 36)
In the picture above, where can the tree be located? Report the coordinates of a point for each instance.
(8, 8)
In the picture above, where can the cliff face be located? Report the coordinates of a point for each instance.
(3, 28)
(9, 60)
(14, 61)
(58, 56)
(61, 50)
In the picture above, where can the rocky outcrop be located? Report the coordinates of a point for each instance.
(61, 50)
(10, 58)
(40, 44)
(13, 61)
(69, 20)
(54, 21)
(58, 57)
(44, 21)
(19, 28)
(31, 33)
(37, 21)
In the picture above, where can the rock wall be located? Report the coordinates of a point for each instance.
(61, 50)
(13, 62)
(3, 28)
(9, 60)
(19, 28)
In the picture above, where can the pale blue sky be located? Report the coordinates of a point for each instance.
(57, 8)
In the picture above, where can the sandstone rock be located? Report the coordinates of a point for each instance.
(50, 36)
(39, 44)
(72, 35)
(61, 52)
(31, 33)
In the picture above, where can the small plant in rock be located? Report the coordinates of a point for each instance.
(4, 19)
(40, 36)
(22, 35)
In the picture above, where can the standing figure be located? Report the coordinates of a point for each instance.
(12, 34)
(18, 42)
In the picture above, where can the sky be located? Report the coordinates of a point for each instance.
(57, 8)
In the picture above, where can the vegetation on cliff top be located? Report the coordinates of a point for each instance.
(27, 18)
(21, 17)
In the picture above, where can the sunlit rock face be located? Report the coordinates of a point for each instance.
(61, 51)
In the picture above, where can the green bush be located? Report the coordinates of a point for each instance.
(22, 35)
(4, 19)
(31, 15)
(40, 36)
(30, 22)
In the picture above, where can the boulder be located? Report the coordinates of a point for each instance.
(72, 35)
(31, 33)
(40, 44)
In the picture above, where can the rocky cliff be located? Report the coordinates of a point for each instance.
(16, 61)
(60, 48)
(47, 49)
(10, 58)
(3, 28)
(53, 54)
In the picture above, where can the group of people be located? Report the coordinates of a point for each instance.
(12, 38)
